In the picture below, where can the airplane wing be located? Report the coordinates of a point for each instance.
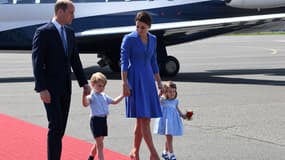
(179, 32)
(169, 34)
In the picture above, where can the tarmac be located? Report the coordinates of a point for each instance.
(234, 84)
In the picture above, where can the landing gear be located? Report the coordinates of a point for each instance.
(169, 66)
(113, 63)
(115, 66)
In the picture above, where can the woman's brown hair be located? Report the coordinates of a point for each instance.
(144, 17)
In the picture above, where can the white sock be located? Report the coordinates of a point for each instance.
(170, 154)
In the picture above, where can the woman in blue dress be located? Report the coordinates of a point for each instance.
(139, 71)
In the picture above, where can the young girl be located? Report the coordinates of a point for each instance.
(99, 108)
(170, 124)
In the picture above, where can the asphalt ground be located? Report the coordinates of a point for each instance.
(234, 84)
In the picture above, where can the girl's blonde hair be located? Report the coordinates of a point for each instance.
(98, 77)
(170, 84)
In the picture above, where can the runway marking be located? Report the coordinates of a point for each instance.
(272, 50)
(280, 41)
(22, 140)
(259, 140)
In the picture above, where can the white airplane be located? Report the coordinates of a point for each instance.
(101, 24)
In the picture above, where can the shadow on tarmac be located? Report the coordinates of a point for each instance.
(211, 76)
(216, 76)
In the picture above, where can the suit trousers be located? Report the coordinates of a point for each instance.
(57, 115)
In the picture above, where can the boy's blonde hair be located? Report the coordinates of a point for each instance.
(98, 77)
(170, 84)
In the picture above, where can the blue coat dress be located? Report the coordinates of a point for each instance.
(140, 63)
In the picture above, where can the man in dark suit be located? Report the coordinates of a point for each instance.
(54, 53)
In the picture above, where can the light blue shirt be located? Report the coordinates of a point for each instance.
(58, 27)
(99, 104)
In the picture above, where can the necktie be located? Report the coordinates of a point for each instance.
(63, 39)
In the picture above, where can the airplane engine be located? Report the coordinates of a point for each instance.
(255, 4)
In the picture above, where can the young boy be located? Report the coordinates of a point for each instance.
(99, 108)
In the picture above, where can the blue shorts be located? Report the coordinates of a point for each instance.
(98, 126)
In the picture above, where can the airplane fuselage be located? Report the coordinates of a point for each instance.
(18, 21)
(100, 24)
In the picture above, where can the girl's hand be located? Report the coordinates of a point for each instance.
(184, 116)
(189, 114)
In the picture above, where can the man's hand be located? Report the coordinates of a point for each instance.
(86, 89)
(45, 96)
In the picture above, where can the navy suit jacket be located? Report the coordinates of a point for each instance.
(51, 67)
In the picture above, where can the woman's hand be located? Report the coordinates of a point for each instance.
(160, 87)
(126, 89)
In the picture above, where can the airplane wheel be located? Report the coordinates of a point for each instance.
(170, 67)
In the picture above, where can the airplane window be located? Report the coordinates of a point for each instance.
(5, 2)
(82, 1)
(47, 1)
(127, 0)
(53, 1)
(25, 1)
(124, 0)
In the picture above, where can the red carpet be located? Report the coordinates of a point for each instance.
(20, 140)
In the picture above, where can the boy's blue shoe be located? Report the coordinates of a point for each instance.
(165, 156)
